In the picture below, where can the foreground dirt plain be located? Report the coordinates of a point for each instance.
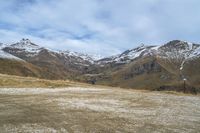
(97, 110)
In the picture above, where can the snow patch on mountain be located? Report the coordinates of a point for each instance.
(195, 53)
(25, 45)
(5, 55)
(179, 50)
(130, 55)
(30, 49)
(85, 57)
(2, 45)
(174, 50)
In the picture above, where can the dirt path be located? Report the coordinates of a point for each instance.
(93, 110)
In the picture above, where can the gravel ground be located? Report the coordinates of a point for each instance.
(97, 110)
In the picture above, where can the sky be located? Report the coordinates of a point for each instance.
(103, 27)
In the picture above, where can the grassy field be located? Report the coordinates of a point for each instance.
(96, 110)
(21, 82)
(32, 105)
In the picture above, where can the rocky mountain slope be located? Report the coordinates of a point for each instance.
(146, 67)
(173, 50)
(54, 64)
(151, 67)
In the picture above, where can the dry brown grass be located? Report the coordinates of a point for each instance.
(21, 82)
(96, 110)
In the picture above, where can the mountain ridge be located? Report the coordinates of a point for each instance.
(27, 45)
(166, 64)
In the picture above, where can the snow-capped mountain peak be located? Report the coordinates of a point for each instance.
(89, 57)
(175, 49)
(26, 44)
(131, 54)
(179, 50)
(82, 56)
(25, 47)
(25, 41)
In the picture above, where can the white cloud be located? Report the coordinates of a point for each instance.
(99, 26)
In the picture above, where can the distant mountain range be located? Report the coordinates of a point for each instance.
(145, 67)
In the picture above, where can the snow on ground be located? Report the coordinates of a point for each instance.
(6, 55)
(27, 46)
(90, 109)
